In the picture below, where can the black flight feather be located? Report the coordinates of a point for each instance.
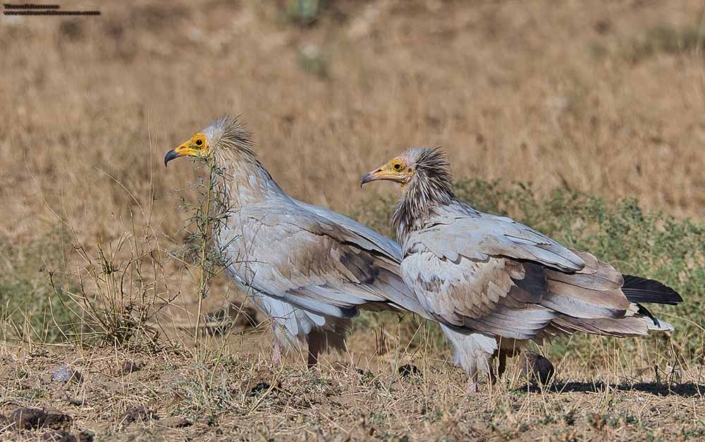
(638, 289)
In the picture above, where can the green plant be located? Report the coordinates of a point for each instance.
(30, 311)
(666, 39)
(303, 12)
(118, 292)
(207, 217)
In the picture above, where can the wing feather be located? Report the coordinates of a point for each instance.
(313, 262)
(451, 235)
(500, 277)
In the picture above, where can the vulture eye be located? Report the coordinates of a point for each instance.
(199, 142)
(397, 167)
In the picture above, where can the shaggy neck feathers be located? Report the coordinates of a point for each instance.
(430, 188)
(245, 178)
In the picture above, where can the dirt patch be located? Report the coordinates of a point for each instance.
(218, 391)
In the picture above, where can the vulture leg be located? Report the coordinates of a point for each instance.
(500, 369)
(312, 357)
(314, 348)
(472, 385)
(277, 355)
(502, 363)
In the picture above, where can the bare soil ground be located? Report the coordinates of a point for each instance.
(227, 393)
(603, 97)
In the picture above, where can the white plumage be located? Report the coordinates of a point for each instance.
(500, 279)
(307, 268)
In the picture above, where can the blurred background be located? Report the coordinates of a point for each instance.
(601, 99)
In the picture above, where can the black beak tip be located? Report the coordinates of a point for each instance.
(365, 179)
(170, 156)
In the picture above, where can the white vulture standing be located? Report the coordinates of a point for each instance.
(309, 269)
(500, 279)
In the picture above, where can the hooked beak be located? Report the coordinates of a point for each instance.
(181, 151)
(383, 173)
(170, 156)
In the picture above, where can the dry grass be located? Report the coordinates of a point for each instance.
(605, 98)
(530, 92)
(230, 391)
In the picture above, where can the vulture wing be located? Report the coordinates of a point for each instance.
(500, 277)
(290, 253)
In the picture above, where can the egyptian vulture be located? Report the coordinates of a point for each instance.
(309, 269)
(501, 280)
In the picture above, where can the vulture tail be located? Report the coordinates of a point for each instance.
(638, 289)
(638, 321)
(628, 326)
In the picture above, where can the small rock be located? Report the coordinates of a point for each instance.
(131, 367)
(65, 374)
(138, 413)
(35, 418)
(85, 436)
(344, 366)
(236, 316)
(176, 422)
(243, 315)
(260, 388)
(603, 26)
(59, 436)
(28, 418)
(57, 420)
(408, 370)
(536, 368)
(77, 402)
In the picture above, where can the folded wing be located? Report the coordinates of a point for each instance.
(313, 263)
(502, 278)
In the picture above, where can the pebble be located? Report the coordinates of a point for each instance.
(176, 422)
(57, 420)
(259, 389)
(131, 367)
(65, 374)
(408, 370)
(138, 413)
(85, 436)
(35, 418)
(28, 418)
(59, 436)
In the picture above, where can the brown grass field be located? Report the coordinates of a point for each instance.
(605, 98)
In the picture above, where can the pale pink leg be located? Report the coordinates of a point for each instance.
(471, 387)
(277, 355)
(472, 384)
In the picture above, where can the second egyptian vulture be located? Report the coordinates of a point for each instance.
(500, 279)
(307, 268)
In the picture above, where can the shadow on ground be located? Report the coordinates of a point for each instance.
(687, 389)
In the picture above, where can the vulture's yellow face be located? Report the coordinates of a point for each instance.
(197, 146)
(399, 170)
